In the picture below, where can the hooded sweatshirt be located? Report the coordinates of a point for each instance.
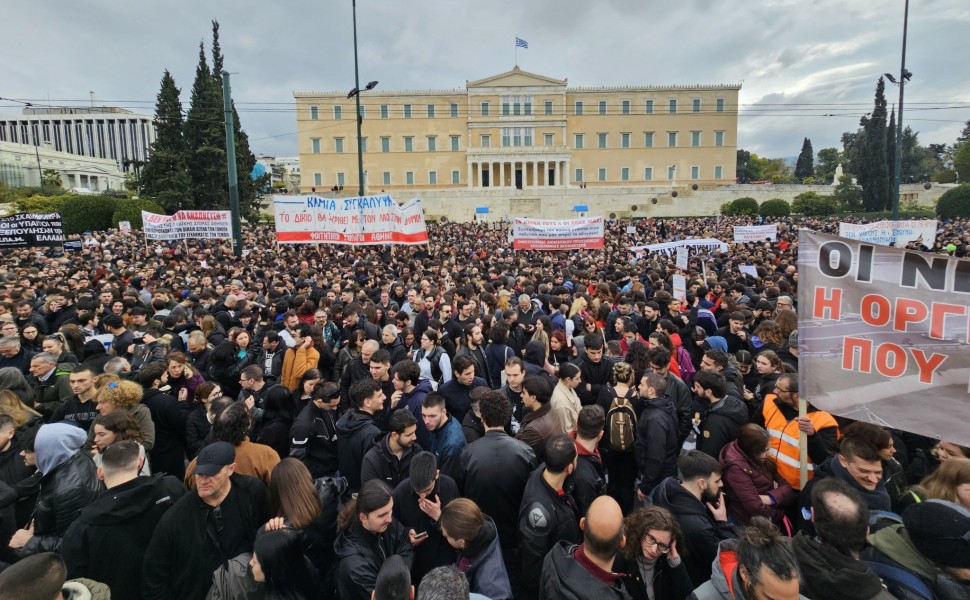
(55, 444)
(357, 433)
(827, 573)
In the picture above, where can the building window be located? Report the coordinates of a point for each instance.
(455, 140)
(432, 143)
(315, 145)
(431, 111)
(602, 174)
(516, 136)
(409, 177)
(505, 106)
(648, 139)
(696, 105)
(340, 179)
(338, 112)
(314, 113)
(484, 109)
(383, 111)
(409, 144)
(387, 178)
(695, 172)
(649, 107)
(602, 107)
(456, 177)
(579, 141)
(718, 138)
(601, 137)
(579, 176)
(695, 139)
(672, 139)
(528, 105)
(385, 144)
(432, 177)
(317, 179)
(625, 174)
(363, 144)
(548, 105)
(407, 111)
(547, 139)
(671, 172)
(454, 109)
(486, 140)
(648, 174)
(579, 107)
(624, 140)
(672, 108)
(720, 105)
(718, 172)
(506, 137)
(338, 145)
(626, 107)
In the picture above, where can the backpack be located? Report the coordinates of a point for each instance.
(899, 581)
(621, 425)
(686, 365)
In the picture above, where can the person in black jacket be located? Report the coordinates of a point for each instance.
(168, 453)
(418, 501)
(355, 370)
(392, 342)
(677, 390)
(205, 530)
(596, 372)
(368, 535)
(390, 458)
(651, 557)
(698, 503)
(657, 446)
(313, 437)
(589, 478)
(107, 542)
(457, 391)
(722, 416)
(548, 512)
(357, 430)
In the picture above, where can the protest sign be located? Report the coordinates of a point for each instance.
(124, 225)
(680, 287)
(187, 225)
(755, 233)
(567, 234)
(631, 229)
(357, 221)
(749, 270)
(668, 248)
(883, 335)
(683, 255)
(24, 230)
(888, 232)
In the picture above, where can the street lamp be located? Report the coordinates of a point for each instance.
(904, 77)
(356, 93)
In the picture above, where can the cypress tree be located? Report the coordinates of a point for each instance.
(805, 166)
(875, 184)
(165, 177)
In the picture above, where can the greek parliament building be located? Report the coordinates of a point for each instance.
(522, 136)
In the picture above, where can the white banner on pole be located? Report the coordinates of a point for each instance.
(187, 225)
(755, 233)
(567, 234)
(359, 221)
(887, 232)
(668, 248)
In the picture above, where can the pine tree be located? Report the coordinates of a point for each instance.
(805, 166)
(965, 134)
(875, 182)
(205, 138)
(165, 176)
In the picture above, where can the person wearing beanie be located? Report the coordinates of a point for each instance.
(928, 555)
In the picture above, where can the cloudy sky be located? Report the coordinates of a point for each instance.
(807, 69)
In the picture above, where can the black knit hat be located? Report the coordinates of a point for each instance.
(940, 530)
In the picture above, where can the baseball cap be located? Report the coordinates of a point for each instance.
(214, 457)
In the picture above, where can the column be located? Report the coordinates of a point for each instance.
(501, 173)
(558, 174)
(565, 173)
(535, 173)
(481, 174)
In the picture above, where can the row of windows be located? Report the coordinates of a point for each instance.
(387, 180)
(579, 139)
(522, 105)
(316, 144)
(695, 173)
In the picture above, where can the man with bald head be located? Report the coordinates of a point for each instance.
(586, 570)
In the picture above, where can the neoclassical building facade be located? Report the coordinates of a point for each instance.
(520, 130)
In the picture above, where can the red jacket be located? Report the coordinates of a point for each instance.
(745, 481)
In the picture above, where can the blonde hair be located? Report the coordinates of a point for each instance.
(11, 405)
(942, 483)
(121, 394)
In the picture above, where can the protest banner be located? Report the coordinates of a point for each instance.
(631, 229)
(683, 258)
(668, 248)
(357, 221)
(25, 230)
(755, 233)
(547, 234)
(680, 287)
(749, 270)
(883, 335)
(187, 225)
(888, 232)
(124, 225)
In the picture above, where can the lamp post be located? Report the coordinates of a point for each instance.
(360, 118)
(904, 77)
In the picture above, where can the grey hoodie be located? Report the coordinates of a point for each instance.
(55, 444)
(724, 586)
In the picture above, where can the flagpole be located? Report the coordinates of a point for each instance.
(515, 60)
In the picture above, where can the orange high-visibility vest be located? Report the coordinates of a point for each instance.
(784, 439)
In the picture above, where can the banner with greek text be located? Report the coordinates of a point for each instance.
(566, 234)
(888, 232)
(755, 233)
(360, 221)
(25, 230)
(883, 335)
(668, 248)
(188, 225)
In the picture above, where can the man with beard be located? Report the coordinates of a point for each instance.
(390, 458)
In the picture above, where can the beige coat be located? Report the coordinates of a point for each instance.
(566, 406)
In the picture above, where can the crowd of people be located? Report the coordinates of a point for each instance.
(456, 420)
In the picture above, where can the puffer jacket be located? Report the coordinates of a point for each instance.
(361, 554)
(721, 424)
(486, 572)
(746, 481)
(381, 463)
(64, 492)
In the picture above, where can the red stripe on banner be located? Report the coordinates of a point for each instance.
(558, 244)
(353, 239)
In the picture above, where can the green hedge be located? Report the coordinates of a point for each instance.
(88, 213)
(813, 204)
(42, 204)
(740, 207)
(954, 203)
(945, 177)
(130, 210)
(775, 207)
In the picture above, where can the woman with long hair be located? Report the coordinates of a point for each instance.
(767, 336)
(560, 351)
(542, 329)
(951, 482)
(183, 379)
(279, 564)
(474, 536)
(497, 352)
(12, 379)
(434, 361)
(752, 486)
(116, 395)
(651, 556)
(117, 427)
(56, 344)
(23, 416)
(787, 321)
(197, 424)
(622, 466)
(31, 339)
(565, 401)
(279, 410)
(229, 359)
(212, 331)
(769, 367)
(74, 339)
(304, 390)
(349, 353)
(637, 357)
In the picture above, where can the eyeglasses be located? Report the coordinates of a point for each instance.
(778, 389)
(650, 542)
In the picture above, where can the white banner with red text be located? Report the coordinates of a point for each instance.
(187, 225)
(565, 234)
(755, 233)
(359, 221)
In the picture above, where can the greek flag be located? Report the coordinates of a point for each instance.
(520, 43)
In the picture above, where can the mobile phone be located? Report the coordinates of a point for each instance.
(421, 536)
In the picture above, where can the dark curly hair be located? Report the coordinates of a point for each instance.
(232, 424)
(639, 522)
